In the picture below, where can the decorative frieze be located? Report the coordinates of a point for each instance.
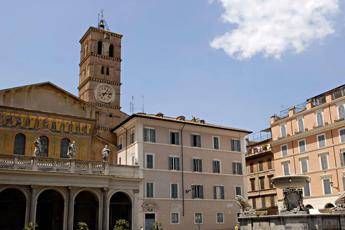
(34, 122)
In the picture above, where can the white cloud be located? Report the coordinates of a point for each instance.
(272, 27)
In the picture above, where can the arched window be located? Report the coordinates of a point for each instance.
(45, 146)
(341, 110)
(99, 48)
(107, 71)
(102, 70)
(19, 144)
(64, 147)
(111, 50)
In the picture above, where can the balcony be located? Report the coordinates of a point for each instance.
(71, 166)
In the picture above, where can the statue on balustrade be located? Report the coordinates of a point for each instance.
(38, 147)
(105, 153)
(72, 150)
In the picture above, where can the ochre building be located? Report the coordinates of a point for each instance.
(309, 139)
(260, 170)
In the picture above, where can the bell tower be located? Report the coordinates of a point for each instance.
(100, 75)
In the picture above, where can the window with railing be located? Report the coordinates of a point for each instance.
(318, 100)
(252, 184)
(283, 130)
(300, 125)
(237, 168)
(262, 183)
(341, 112)
(304, 165)
(338, 93)
(319, 118)
(197, 192)
(286, 168)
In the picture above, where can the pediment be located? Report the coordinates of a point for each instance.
(46, 97)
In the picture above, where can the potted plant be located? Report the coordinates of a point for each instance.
(30, 226)
(82, 226)
(121, 225)
(157, 226)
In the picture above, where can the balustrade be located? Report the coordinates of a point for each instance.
(32, 163)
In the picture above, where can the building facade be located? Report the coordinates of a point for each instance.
(62, 162)
(309, 139)
(40, 181)
(260, 170)
(192, 170)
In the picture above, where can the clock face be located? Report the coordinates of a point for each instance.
(105, 93)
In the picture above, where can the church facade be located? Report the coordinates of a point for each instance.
(54, 172)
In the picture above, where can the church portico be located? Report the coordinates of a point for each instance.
(50, 196)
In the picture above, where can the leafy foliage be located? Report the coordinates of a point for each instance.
(30, 226)
(157, 226)
(82, 226)
(121, 225)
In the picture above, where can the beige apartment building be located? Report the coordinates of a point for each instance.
(260, 170)
(310, 139)
(192, 170)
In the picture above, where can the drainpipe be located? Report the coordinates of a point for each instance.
(182, 170)
(293, 156)
(335, 158)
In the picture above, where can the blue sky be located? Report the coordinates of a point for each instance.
(168, 55)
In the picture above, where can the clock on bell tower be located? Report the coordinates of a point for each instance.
(100, 75)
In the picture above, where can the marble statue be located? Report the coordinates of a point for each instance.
(105, 153)
(247, 210)
(72, 150)
(340, 205)
(38, 146)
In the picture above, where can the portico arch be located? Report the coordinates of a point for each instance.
(50, 210)
(86, 209)
(120, 207)
(12, 209)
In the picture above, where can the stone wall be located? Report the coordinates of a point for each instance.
(294, 222)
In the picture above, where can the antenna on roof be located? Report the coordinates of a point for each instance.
(131, 106)
(143, 108)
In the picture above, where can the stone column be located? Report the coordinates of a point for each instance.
(70, 218)
(100, 211)
(135, 211)
(33, 204)
(28, 205)
(105, 209)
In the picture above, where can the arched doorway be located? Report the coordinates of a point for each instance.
(329, 205)
(86, 209)
(120, 208)
(12, 209)
(50, 210)
(308, 206)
